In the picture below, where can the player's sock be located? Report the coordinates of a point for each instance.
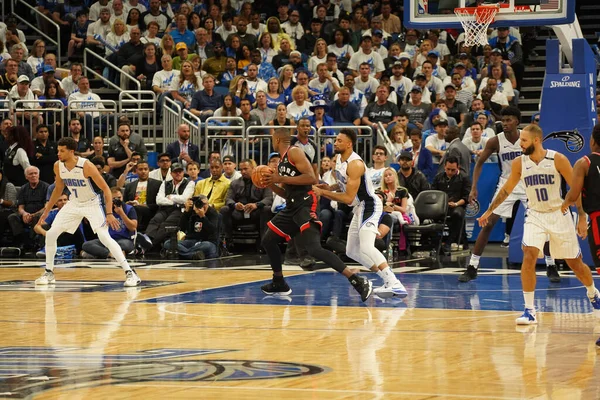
(50, 249)
(549, 261)
(591, 291)
(383, 276)
(474, 261)
(390, 275)
(529, 300)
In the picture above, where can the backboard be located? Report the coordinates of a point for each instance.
(439, 14)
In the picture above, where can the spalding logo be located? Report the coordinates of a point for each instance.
(573, 140)
(472, 209)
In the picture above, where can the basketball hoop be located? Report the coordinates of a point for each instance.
(475, 21)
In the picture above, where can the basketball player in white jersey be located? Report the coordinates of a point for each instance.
(355, 188)
(539, 171)
(76, 174)
(507, 145)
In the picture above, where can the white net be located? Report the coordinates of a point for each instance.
(475, 22)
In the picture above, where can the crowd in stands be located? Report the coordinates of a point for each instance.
(276, 63)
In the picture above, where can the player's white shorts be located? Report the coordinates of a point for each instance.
(69, 217)
(555, 227)
(365, 217)
(505, 208)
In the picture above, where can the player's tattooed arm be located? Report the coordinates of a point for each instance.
(499, 199)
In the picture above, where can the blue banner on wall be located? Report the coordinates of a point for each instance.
(567, 116)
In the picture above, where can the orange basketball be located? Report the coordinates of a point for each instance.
(258, 173)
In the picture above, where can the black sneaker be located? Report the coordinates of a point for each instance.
(363, 286)
(468, 275)
(308, 261)
(552, 274)
(276, 288)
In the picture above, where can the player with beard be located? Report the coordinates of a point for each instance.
(539, 171)
(292, 180)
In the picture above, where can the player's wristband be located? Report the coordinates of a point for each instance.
(109, 213)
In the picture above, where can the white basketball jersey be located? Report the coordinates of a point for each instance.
(542, 183)
(366, 192)
(80, 187)
(507, 152)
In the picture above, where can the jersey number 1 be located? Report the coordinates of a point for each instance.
(542, 194)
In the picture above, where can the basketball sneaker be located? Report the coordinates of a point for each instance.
(46, 278)
(552, 274)
(396, 289)
(468, 275)
(363, 286)
(131, 279)
(598, 342)
(528, 318)
(595, 301)
(276, 288)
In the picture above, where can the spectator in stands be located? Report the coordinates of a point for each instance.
(457, 149)
(475, 142)
(8, 78)
(36, 58)
(320, 118)
(69, 84)
(98, 151)
(78, 37)
(185, 86)
(416, 110)
(396, 198)
(154, 13)
(264, 113)
(433, 83)
(130, 173)
(400, 83)
(162, 81)
(163, 172)
(22, 92)
(183, 54)
(100, 165)
(98, 32)
(381, 110)
(283, 57)
(203, 48)
(182, 151)
(205, 102)
(130, 52)
(214, 188)
(193, 172)
(365, 82)
(167, 46)
(84, 147)
(127, 218)
(45, 154)
(245, 203)
(422, 158)
(367, 54)
(456, 109)
(357, 97)
(17, 53)
(412, 179)
(281, 117)
(253, 81)
(31, 200)
(502, 82)
(342, 110)
(216, 64)
(121, 147)
(511, 51)
(436, 143)
(246, 38)
(300, 107)
(54, 98)
(239, 89)
(457, 185)
(38, 85)
(213, 155)
(181, 33)
(306, 44)
(6, 124)
(85, 99)
(229, 169)
(150, 36)
(231, 71)
(200, 223)
(171, 199)
(496, 59)
(323, 84)
(491, 91)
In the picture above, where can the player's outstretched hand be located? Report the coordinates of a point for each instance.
(582, 227)
(318, 190)
(483, 220)
(112, 222)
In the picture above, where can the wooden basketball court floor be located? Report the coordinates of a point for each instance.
(192, 332)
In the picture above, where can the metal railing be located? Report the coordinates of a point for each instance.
(384, 139)
(4, 103)
(138, 110)
(95, 121)
(226, 144)
(195, 125)
(50, 114)
(364, 142)
(88, 53)
(172, 117)
(35, 28)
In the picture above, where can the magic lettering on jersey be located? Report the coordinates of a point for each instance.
(510, 155)
(71, 182)
(539, 179)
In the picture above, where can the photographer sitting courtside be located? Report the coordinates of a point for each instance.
(199, 222)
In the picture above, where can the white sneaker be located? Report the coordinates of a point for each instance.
(395, 289)
(131, 279)
(528, 318)
(46, 278)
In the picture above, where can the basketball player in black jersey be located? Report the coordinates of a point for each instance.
(293, 181)
(586, 182)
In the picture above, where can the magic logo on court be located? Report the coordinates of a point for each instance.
(27, 371)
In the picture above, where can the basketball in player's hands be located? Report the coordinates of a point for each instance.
(258, 174)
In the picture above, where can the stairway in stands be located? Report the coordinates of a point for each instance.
(589, 20)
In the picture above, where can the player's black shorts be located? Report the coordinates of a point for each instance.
(594, 237)
(299, 213)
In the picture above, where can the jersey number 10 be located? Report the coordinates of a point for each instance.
(542, 194)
